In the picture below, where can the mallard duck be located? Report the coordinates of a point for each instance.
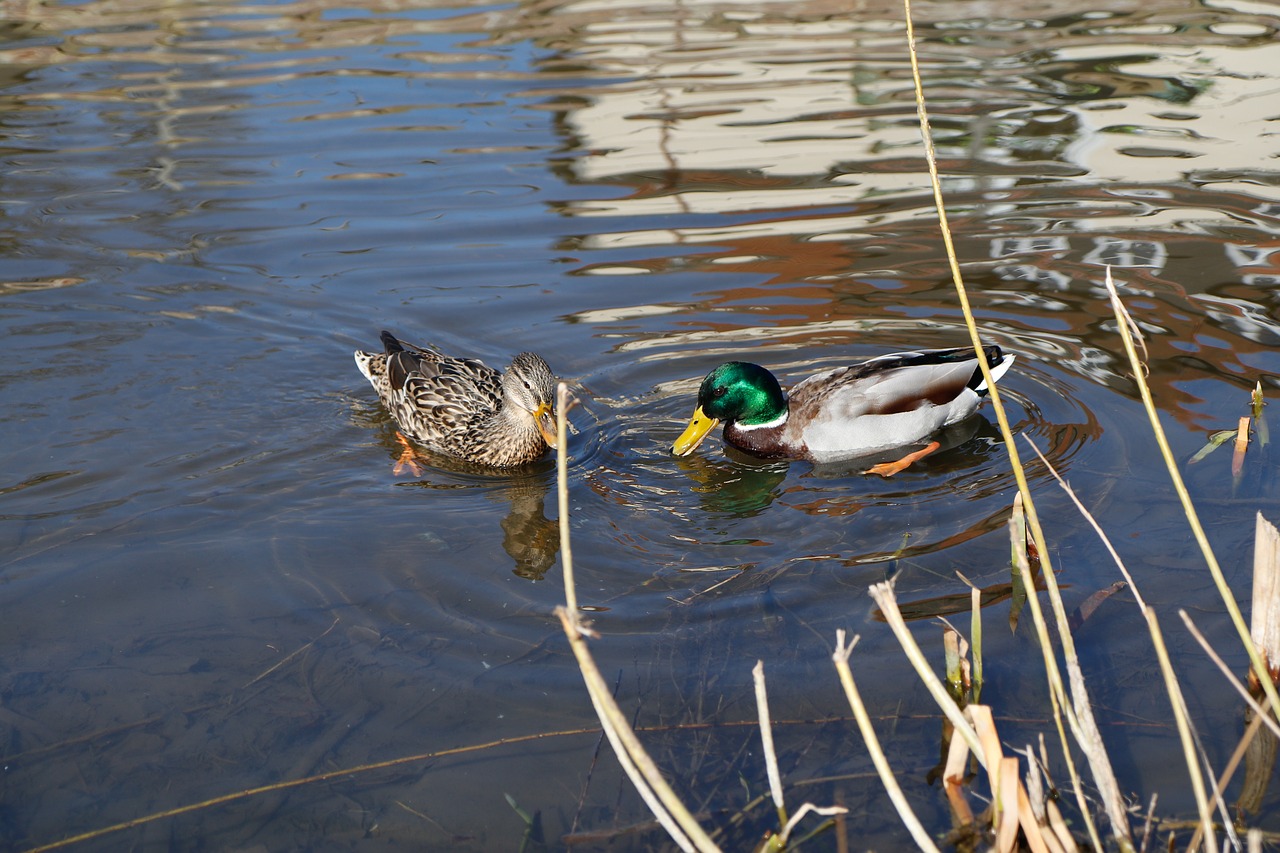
(463, 408)
(891, 401)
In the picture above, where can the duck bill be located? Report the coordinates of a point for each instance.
(545, 419)
(699, 426)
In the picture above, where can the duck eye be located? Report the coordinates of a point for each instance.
(719, 392)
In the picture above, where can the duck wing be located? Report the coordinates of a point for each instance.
(898, 382)
(436, 395)
(888, 401)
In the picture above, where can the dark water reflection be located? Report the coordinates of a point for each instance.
(213, 580)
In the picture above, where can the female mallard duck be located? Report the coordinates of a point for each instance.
(463, 408)
(887, 402)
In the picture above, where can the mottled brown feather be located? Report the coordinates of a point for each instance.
(460, 406)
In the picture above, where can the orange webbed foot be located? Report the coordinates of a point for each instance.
(888, 469)
(408, 458)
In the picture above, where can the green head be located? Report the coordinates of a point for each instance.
(735, 392)
(741, 392)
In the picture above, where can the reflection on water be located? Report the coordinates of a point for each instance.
(210, 563)
(740, 486)
(530, 539)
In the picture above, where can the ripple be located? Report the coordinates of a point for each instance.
(719, 522)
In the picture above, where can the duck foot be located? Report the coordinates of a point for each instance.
(408, 458)
(888, 469)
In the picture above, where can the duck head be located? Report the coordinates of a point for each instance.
(735, 392)
(529, 386)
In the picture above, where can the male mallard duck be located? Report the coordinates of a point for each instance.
(887, 402)
(463, 408)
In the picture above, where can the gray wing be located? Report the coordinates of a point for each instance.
(887, 402)
(885, 385)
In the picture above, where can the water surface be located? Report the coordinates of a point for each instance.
(213, 580)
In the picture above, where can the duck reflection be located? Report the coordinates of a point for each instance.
(737, 484)
(529, 537)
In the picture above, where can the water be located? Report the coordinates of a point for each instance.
(212, 580)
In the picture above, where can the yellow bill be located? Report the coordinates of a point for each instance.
(699, 426)
(545, 418)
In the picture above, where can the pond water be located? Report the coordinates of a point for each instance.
(212, 579)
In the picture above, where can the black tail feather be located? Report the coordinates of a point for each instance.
(389, 343)
(994, 356)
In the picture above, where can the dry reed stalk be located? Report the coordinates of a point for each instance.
(1264, 621)
(1257, 708)
(841, 658)
(1018, 545)
(1007, 824)
(1061, 833)
(975, 639)
(1176, 698)
(1264, 616)
(1242, 444)
(1037, 837)
(766, 740)
(562, 498)
(1193, 519)
(1259, 755)
(1053, 830)
(1011, 804)
(636, 763)
(1092, 745)
(806, 808)
(954, 652)
(953, 775)
(1182, 718)
(1075, 705)
(884, 597)
(1251, 790)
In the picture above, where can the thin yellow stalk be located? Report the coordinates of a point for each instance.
(766, 740)
(888, 602)
(1171, 681)
(1008, 797)
(1262, 715)
(1224, 779)
(644, 774)
(635, 761)
(975, 643)
(917, 830)
(1078, 712)
(825, 811)
(1193, 518)
(1097, 529)
(562, 496)
(1180, 717)
(1024, 567)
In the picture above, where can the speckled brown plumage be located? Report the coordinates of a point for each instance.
(463, 408)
